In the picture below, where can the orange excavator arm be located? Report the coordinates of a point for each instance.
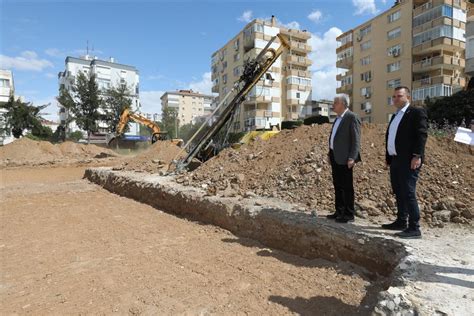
(127, 115)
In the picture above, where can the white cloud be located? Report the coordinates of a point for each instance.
(151, 101)
(204, 85)
(50, 75)
(292, 25)
(315, 16)
(364, 6)
(324, 63)
(28, 60)
(246, 16)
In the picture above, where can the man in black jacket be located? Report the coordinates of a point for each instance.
(344, 147)
(405, 147)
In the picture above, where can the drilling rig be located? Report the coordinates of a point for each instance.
(207, 142)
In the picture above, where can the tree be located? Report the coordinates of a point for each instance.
(22, 116)
(187, 131)
(170, 121)
(116, 101)
(83, 102)
(454, 109)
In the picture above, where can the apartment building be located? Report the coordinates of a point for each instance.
(108, 74)
(321, 108)
(470, 40)
(7, 88)
(415, 43)
(191, 106)
(284, 90)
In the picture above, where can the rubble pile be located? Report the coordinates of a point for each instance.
(30, 152)
(155, 159)
(293, 166)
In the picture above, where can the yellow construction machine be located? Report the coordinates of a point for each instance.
(157, 134)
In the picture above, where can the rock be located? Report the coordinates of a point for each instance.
(460, 205)
(249, 194)
(468, 213)
(443, 215)
(457, 220)
(369, 206)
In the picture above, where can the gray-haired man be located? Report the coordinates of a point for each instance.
(344, 152)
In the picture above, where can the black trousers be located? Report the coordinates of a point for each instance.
(342, 178)
(403, 180)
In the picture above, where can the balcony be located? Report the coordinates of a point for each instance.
(345, 62)
(442, 43)
(347, 89)
(300, 47)
(339, 77)
(291, 33)
(442, 20)
(260, 113)
(299, 60)
(258, 99)
(215, 89)
(423, 5)
(447, 80)
(298, 73)
(292, 116)
(298, 87)
(447, 62)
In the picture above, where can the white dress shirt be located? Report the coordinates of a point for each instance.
(334, 129)
(393, 128)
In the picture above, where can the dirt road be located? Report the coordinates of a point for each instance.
(68, 246)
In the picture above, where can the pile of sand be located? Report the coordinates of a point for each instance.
(156, 158)
(30, 152)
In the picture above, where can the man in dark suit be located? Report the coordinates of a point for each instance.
(344, 147)
(405, 147)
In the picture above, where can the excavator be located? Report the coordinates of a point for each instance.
(212, 136)
(157, 134)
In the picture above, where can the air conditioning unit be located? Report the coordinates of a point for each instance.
(368, 95)
(368, 111)
(396, 53)
(368, 79)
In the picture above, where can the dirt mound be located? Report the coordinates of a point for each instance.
(293, 166)
(156, 158)
(30, 152)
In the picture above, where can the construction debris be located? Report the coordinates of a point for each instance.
(293, 166)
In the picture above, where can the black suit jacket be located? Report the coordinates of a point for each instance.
(347, 139)
(411, 135)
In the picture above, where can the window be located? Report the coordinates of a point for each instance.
(298, 95)
(392, 84)
(365, 61)
(298, 81)
(258, 27)
(365, 30)
(439, 31)
(346, 80)
(346, 39)
(4, 83)
(366, 76)
(394, 33)
(224, 65)
(365, 45)
(237, 71)
(427, 16)
(393, 16)
(237, 57)
(440, 90)
(366, 92)
(236, 44)
(344, 54)
(395, 50)
(224, 79)
(393, 66)
(389, 101)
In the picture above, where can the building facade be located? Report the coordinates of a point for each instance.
(470, 40)
(7, 89)
(285, 89)
(108, 74)
(415, 43)
(190, 106)
(321, 108)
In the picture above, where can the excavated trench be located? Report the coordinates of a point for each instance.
(272, 222)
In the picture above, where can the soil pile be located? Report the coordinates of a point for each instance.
(30, 152)
(293, 166)
(155, 159)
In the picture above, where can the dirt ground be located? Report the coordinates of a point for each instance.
(68, 246)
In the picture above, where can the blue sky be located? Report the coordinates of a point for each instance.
(169, 42)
